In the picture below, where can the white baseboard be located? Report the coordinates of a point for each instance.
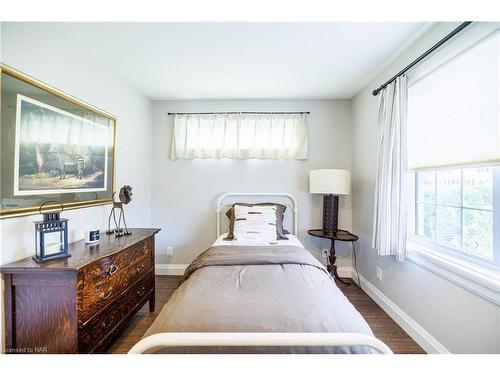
(411, 327)
(344, 271)
(170, 269)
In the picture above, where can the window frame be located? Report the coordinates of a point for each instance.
(473, 273)
(437, 246)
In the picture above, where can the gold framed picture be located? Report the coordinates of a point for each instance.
(53, 147)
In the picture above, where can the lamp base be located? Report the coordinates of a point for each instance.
(330, 213)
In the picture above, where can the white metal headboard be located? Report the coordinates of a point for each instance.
(292, 204)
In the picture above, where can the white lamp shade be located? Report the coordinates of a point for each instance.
(330, 181)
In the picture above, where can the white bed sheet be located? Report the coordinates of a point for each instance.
(292, 241)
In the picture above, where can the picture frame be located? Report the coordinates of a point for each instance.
(53, 146)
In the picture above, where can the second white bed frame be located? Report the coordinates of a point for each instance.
(180, 339)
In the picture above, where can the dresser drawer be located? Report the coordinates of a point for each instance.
(95, 330)
(101, 270)
(97, 296)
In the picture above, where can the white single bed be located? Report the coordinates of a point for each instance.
(258, 299)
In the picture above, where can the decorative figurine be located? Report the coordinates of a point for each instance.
(125, 197)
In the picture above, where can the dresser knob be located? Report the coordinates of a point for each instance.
(106, 324)
(140, 269)
(141, 292)
(112, 269)
(106, 296)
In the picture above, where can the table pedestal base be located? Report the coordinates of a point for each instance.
(331, 267)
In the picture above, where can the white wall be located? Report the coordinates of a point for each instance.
(458, 319)
(41, 51)
(184, 191)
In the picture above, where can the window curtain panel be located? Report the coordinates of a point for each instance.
(239, 136)
(389, 221)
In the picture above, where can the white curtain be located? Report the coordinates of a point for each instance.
(389, 218)
(239, 136)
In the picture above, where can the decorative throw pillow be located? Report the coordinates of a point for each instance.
(280, 216)
(255, 224)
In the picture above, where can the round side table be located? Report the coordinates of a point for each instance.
(339, 235)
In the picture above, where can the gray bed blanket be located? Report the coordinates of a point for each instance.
(258, 289)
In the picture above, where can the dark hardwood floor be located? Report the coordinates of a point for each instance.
(382, 325)
(139, 324)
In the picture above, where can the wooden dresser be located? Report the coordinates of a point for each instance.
(81, 303)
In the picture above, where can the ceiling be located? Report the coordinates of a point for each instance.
(243, 60)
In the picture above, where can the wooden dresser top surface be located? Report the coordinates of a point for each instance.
(83, 254)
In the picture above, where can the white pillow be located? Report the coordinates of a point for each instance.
(255, 224)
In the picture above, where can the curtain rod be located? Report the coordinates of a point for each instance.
(235, 113)
(462, 26)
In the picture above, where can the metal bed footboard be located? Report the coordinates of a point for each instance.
(176, 339)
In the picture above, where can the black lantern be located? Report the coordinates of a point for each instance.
(51, 236)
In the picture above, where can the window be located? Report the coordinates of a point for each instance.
(239, 136)
(456, 209)
(454, 152)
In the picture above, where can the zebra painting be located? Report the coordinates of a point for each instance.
(68, 161)
(58, 152)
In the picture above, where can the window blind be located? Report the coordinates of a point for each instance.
(454, 102)
(239, 136)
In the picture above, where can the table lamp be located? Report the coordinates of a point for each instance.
(331, 183)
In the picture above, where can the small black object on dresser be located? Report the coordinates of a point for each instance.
(339, 235)
(82, 303)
